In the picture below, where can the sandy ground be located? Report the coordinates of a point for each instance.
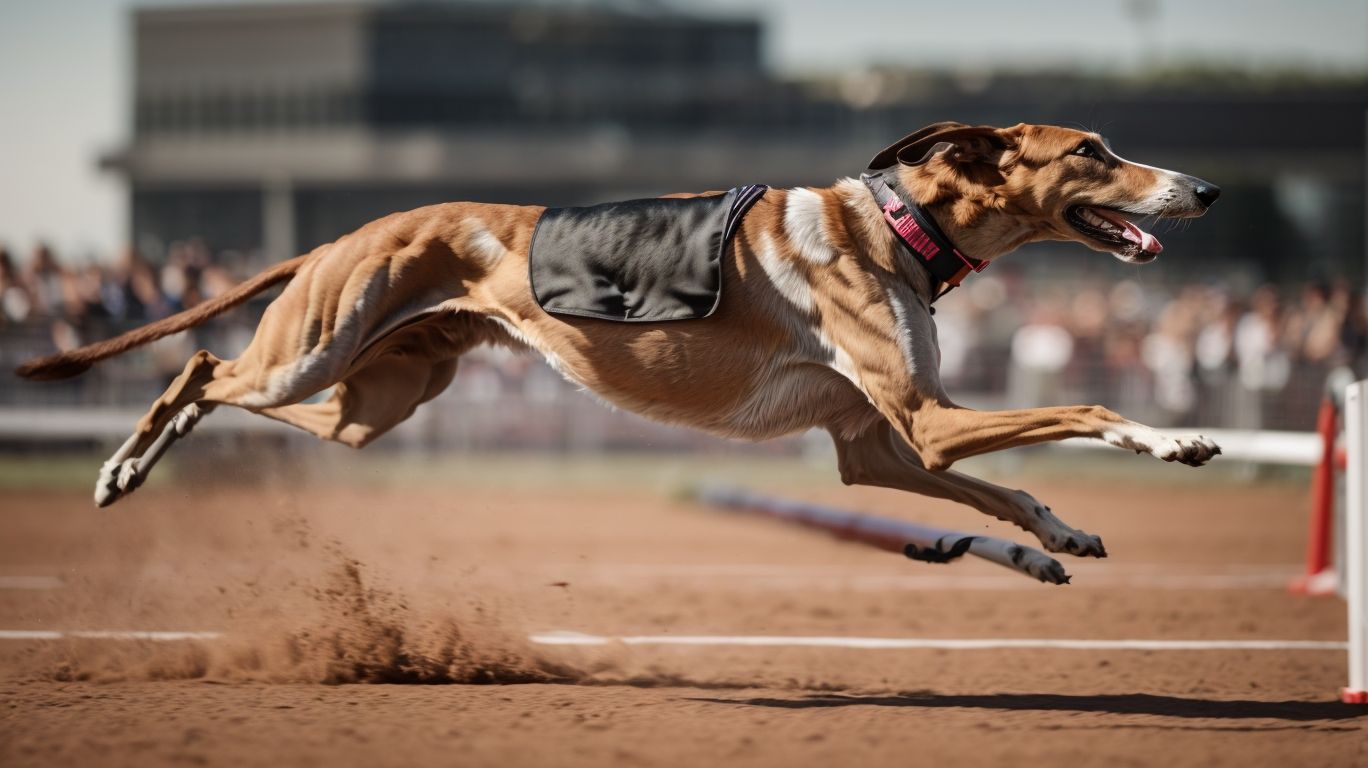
(337, 604)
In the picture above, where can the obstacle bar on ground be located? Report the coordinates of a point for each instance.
(919, 542)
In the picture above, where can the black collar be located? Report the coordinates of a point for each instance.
(919, 233)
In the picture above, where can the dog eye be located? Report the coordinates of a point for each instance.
(1086, 149)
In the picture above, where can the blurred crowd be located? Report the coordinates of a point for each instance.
(49, 302)
(1201, 353)
(128, 288)
(1204, 353)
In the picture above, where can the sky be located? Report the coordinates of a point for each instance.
(65, 84)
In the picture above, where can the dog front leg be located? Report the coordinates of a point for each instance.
(879, 457)
(942, 433)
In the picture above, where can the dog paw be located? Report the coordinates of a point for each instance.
(107, 485)
(1192, 450)
(1055, 534)
(1038, 564)
(1076, 543)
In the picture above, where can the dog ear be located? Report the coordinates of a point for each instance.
(970, 143)
(965, 144)
(924, 139)
(971, 148)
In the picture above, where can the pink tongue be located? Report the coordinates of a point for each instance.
(1148, 243)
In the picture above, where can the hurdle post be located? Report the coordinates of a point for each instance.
(1356, 541)
(1320, 577)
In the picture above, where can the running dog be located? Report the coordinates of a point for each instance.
(825, 320)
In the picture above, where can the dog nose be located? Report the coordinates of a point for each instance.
(1207, 193)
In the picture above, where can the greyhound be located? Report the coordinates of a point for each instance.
(826, 320)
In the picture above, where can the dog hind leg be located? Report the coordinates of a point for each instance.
(205, 382)
(170, 418)
(124, 473)
(371, 401)
(378, 388)
(880, 457)
(401, 372)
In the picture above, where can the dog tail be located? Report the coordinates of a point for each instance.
(64, 365)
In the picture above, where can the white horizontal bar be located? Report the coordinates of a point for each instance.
(918, 643)
(103, 634)
(1264, 446)
(74, 423)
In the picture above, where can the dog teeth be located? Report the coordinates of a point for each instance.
(1095, 220)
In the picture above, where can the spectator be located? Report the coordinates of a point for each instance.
(15, 302)
(43, 279)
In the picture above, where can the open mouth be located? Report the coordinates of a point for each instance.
(1111, 228)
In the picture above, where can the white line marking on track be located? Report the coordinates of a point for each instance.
(30, 582)
(918, 643)
(103, 634)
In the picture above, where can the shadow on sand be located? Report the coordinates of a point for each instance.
(1120, 704)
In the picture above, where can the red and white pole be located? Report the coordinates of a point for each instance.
(1320, 578)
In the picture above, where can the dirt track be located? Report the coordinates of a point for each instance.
(443, 584)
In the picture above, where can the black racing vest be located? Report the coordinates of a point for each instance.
(637, 261)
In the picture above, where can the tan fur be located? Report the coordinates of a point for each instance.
(846, 343)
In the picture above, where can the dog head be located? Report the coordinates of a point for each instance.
(994, 189)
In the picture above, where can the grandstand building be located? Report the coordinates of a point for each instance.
(279, 127)
(284, 126)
